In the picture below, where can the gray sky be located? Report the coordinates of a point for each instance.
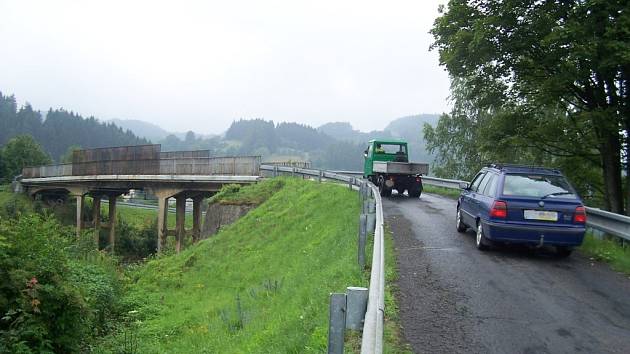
(199, 65)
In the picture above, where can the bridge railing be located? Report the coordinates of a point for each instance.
(227, 166)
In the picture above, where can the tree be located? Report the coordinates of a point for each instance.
(544, 68)
(22, 151)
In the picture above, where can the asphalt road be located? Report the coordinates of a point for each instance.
(456, 299)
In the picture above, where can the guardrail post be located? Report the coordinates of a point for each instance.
(362, 240)
(337, 323)
(598, 234)
(356, 304)
(350, 182)
(293, 172)
(371, 215)
(275, 171)
(319, 177)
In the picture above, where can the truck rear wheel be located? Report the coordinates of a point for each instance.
(382, 188)
(415, 193)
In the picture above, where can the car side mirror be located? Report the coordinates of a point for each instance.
(365, 153)
(463, 185)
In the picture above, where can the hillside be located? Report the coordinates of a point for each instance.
(58, 129)
(407, 128)
(262, 282)
(142, 129)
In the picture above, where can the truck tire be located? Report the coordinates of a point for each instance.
(415, 193)
(385, 192)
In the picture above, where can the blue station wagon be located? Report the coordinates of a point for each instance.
(522, 204)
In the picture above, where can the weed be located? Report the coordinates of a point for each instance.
(234, 319)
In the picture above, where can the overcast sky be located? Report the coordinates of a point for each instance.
(199, 65)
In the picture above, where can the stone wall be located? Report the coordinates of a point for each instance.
(220, 215)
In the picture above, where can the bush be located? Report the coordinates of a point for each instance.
(55, 295)
(135, 243)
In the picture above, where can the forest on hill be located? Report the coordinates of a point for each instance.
(58, 129)
(331, 146)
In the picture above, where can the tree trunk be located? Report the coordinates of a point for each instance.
(611, 163)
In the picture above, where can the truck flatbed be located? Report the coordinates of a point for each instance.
(406, 168)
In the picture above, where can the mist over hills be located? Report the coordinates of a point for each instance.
(335, 145)
(332, 145)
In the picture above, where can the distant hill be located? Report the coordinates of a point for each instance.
(345, 131)
(142, 129)
(408, 128)
(58, 129)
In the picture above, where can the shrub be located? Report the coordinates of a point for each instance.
(54, 294)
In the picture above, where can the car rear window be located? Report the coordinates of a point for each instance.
(538, 186)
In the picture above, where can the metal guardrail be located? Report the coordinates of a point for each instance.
(611, 223)
(372, 339)
(605, 221)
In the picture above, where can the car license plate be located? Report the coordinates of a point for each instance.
(541, 215)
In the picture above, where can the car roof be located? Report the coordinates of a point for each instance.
(514, 168)
(387, 141)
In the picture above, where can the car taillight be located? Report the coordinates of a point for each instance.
(418, 179)
(580, 215)
(499, 210)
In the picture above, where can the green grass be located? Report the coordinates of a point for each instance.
(609, 251)
(142, 217)
(261, 285)
(446, 192)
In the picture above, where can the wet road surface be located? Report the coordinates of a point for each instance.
(456, 299)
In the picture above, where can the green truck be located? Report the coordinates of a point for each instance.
(387, 166)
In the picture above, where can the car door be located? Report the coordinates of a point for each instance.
(467, 199)
(485, 195)
(477, 198)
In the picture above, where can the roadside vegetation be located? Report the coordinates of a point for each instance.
(607, 250)
(57, 294)
(261, 283)
(446, 192)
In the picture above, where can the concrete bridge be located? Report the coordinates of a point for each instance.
(111, 172)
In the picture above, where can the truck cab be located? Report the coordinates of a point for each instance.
(386, 164)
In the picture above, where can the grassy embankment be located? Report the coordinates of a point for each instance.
(260, 285)
(607, 250)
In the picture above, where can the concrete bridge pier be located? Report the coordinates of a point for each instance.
(96, 216)
(180, 220)
(180, 232)
(79, 194)
(112, 220)
(162, 195)
(196, 231)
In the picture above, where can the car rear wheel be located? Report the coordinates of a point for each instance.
(481, 240)
(461, 227)
(563, 252)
